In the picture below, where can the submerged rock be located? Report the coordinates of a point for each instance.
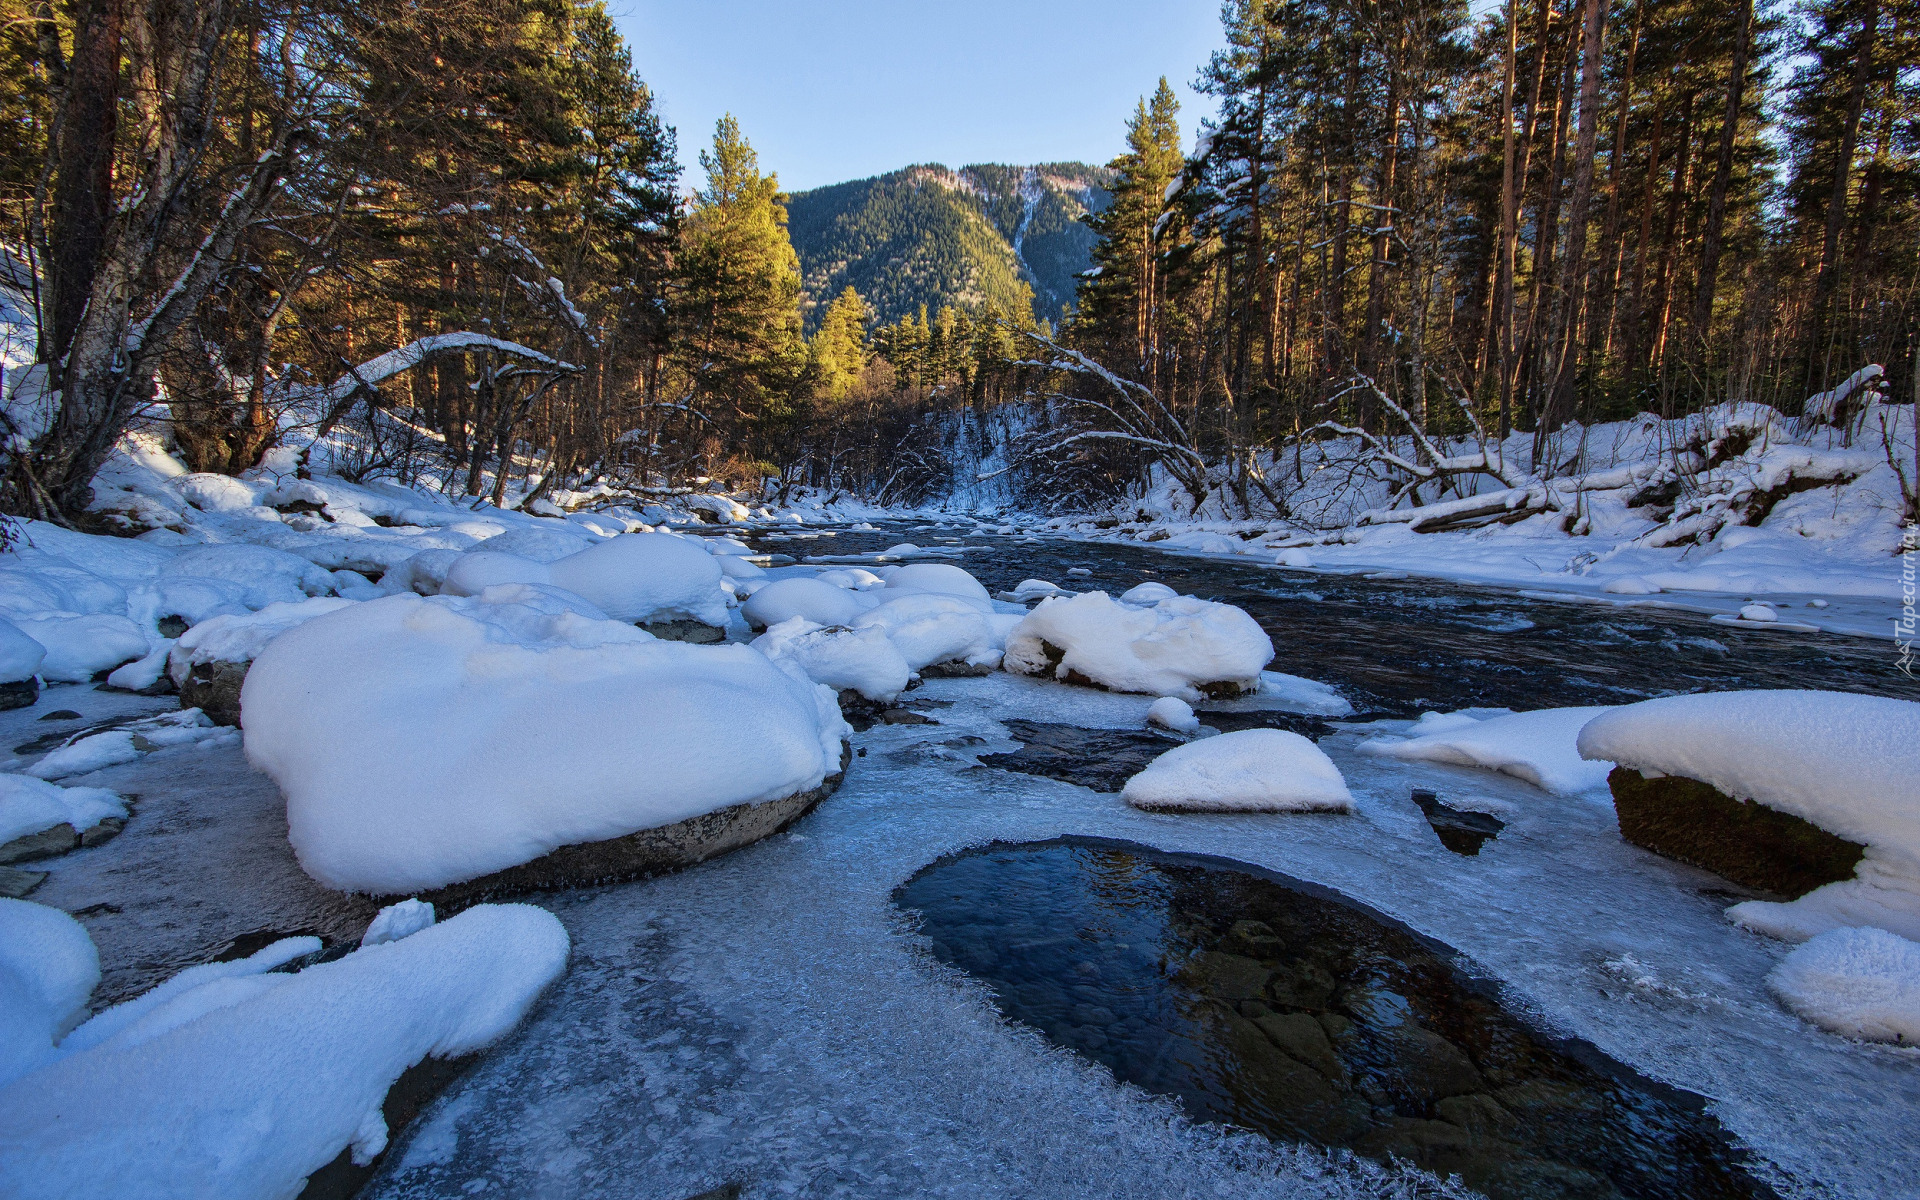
(697, 632)
(19, 693)
(1748, 843)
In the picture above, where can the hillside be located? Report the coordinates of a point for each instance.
(985, 234)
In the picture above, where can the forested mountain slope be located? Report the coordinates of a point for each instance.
(929, 235)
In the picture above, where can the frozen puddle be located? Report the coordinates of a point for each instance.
(772, 1020)
(1289, 1011)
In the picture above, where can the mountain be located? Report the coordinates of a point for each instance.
(928, 235)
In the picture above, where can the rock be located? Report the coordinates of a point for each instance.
(697, 632)
(416, 1088)
(904, 716)
(1255, 939)
(1229, 977)
(1335, 1025)
(60, 714)
(1301, 984)
(642, 854)
(1748, 843)
(57, 839)
(955, 668)
(214, 689)
(1301, 1037)
(1298, 1098)
(16, 883)
(1431, 1067)
(108, 829)
(19, 693)
(1476, 1112)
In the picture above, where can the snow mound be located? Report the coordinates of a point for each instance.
(29, 805)
(1171, 712)
(20, 654)
(48, 968)
(798, 596)
(477, 570)
(424, 742)
(1848, 763)
(854, 579)
(1170, 649)
(861, 659)
(941, 579)
(242, 1083)
(1147, 594)
(1253, 770)
(265, 575)
(932, 627)
(646, 577)
(396, 921)
(241, 638)
(1540, 747)
(1860, 983)
(543, 541)
(80, 647)
(1029, 590)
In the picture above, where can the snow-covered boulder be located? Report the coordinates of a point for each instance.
(477, 570)
(1174, 714)
(231, 1081)
(721, 510)
(1180, 646)
(1147, 594)
(80, 647)
(209, 662)
(167, 605)
(854, 579)
(48, 968)
(938, 579)
(1857, 982)
(1029, 590)
(799, 596)
(1847, 765)
(1539, 747)
(648, 579)
(1253, 770)
(932, 628)
(863, 661)
(423, 574)
(542, 541)
(218, 493)
(38, 818)
(265, 575)
(423, 743)
(20, 655)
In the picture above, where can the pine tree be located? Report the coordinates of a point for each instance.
(839, 350)
(1119, 301)
(738, 327)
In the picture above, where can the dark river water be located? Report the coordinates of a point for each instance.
(1396, 646)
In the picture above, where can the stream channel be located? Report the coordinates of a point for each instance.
(1266, 1003)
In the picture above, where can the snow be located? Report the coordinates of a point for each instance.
(1860, 983)
(423, 742)
(1148, 594)
(1164, 650)
(931, 627)
(475, 571)
(1883, 893)
(1252, 770)
(799, 596)
(942, 579)
(1029, 590)
(646, 577)
(48, 968)
(396, 921)
(244, 1084)
(1539, 747)
(240, 638)
(79, 647)
(127, 743)
(864, 659)
(1171, 712)
(854, 579)
(29, 805)
(1848, 763)
(265, 574)
(20, 654)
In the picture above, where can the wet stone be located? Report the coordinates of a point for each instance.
(1750, 844)
(1460, 831)
(16, 882)
(1098, 759)
(1288, 1010)
(19, 693)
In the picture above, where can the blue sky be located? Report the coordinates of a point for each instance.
(842, 89)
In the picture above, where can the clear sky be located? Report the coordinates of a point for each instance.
(841, 89)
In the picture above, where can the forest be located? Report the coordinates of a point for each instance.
(457, 242)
